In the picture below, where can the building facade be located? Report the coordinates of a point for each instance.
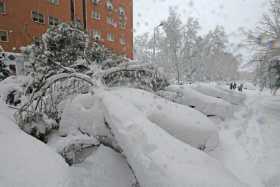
(110, 22)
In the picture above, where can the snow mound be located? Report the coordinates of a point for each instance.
(10, 84)
(210, 106)
(157, 158)
(74, 149)
(104, 168)
(218, 92)
(84, 113)
(233, 156)
(27, 162)
(182, 122)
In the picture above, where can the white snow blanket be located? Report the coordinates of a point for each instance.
(27, 162)
(104, 168)
(182, 122)
(10, 84)
(208, 105)
(157, 158)
(84, 113)
(230, 96)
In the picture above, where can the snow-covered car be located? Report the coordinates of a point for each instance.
(221, 93)
(156, 157)
(208, 105)
(182, 122)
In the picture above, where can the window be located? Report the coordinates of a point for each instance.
(55, 2)
(3, 36)
(110, 20)
(96, 34)
(122, 40)
(110, 37)
(2, 8)
(37, 17)
(122, 24)
(11, 57)
(109, 5)
(96, 15)
(121, 11)
(53, 21)
(95, 1)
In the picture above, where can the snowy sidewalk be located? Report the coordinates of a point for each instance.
(250, 143)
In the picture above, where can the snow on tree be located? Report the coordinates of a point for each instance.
(143, 48)
(59, 61)
(185, 54)
(144, 76)
(264, 40)
(4, 71)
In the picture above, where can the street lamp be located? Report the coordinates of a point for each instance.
(154, 44)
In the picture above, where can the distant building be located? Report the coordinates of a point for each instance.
(110, 22)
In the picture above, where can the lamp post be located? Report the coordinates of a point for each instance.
(154, 43)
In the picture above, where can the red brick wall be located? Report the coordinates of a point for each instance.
(105, 28)
(17, 21)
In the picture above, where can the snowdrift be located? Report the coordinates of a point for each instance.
(182, 122)
(27, 162)
(208, 105)
(157, 158)
(12, 84)
(83, 113)
(104, 168)
(218, 92)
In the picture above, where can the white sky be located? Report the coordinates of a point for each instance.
(232, 14)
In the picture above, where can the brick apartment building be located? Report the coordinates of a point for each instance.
(110, 22)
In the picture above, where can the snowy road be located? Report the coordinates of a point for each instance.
(250, 143)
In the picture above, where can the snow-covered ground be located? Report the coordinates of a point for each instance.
(25, 161)
(250, 142)
(147, 129)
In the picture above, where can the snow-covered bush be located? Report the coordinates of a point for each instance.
(12, 89)
(4, 71)
(38, 125)
(143, 76)
(56, 51)
(59, 61)
(34, 115)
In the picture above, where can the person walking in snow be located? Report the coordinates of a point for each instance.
(234, 85)
(240, 87)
